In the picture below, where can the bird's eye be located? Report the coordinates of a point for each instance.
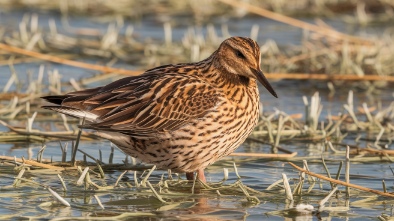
(239, 54)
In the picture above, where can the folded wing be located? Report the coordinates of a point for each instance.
(142, 105)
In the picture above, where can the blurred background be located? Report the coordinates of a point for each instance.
(330, 61)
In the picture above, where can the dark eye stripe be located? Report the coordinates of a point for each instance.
(247, 43)
(239, 54)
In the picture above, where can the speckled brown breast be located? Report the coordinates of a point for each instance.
(206, 140)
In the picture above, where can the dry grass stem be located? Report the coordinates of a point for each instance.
(286, 184)
(323, 201)
(295, 22)
(60, 60)
(347, 171)
(264, 155)
(33, 163)
(58, 197)
(341, 182)
(63, 183)
(83, 175)
(99, 201)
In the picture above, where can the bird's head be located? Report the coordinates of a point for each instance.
(241, 56)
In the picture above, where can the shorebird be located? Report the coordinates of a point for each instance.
(182, 117)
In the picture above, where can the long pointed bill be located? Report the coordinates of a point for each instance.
(261, 78)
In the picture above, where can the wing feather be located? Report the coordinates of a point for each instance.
(169, 104)
(144, 105)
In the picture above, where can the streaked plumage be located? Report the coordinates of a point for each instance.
(182, 117)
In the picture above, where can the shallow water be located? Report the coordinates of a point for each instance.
(256, 173)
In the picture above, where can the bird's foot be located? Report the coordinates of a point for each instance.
(200, 176)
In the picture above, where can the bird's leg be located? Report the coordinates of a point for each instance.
(200, 175)
(190, 176)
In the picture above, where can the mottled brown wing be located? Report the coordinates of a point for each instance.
(161, 103)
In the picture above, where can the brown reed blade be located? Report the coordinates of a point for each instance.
(264, 155)
(60, 60)
(314, 76)
(33, 163)
(341, 182)
(295, 22)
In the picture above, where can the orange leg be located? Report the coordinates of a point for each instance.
(200, 176)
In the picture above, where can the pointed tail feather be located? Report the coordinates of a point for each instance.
(73, 112)
(55, 99)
